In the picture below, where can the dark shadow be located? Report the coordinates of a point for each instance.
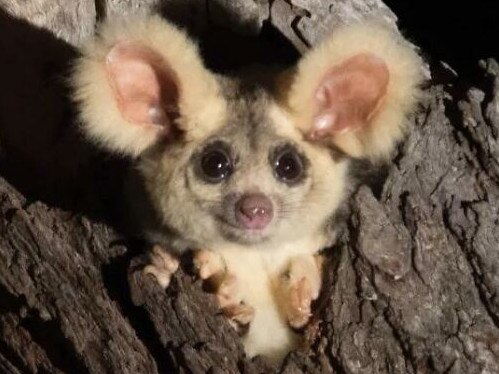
(457, 32)
(115, 276)
(222, 47)
(224, 50)
(41, 152)
(45, 334)
(59, 349)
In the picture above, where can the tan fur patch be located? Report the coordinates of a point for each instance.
(405, 69)
(201, 107)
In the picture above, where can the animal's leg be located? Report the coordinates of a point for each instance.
(299, 286)
(211, 267)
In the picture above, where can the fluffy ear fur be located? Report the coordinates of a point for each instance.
(138, 79)
(356, 89)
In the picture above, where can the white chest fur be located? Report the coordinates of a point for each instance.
(259, 273)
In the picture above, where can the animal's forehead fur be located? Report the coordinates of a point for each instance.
(248, 124)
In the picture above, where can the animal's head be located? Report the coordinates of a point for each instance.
(228, 161)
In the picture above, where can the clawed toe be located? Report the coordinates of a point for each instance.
(300, 300)
(241, 314)
(229, 299)
(300, 287)
(163, 265)
(227, 292)
(211, 267)
(208, 263)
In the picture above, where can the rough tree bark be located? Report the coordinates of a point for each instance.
(412, 286)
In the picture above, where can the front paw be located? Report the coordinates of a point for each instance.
(299, 303)
(162, 265)
(208, 264)
(230, 301)
(239, 314)
(300, 287)
(211, 268)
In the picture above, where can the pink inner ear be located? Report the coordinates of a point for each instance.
(142, 84)
(349, 95)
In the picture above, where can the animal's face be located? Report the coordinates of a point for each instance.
(252, 179)
(227, 163)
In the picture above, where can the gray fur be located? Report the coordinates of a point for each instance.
(204, 213)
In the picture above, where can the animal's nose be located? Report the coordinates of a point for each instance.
(254, 211)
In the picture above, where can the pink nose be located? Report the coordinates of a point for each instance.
(254, 211)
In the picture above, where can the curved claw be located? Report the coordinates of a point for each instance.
(208, 263)
(163, 265)
(300, 300)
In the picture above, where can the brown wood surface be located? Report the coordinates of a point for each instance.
(412, 286)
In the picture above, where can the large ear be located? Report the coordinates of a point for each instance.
(356, 88)
(138, 80)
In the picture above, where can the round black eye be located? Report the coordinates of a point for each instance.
(215, 164)
(288, 165)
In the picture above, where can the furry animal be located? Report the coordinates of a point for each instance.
(248, 171)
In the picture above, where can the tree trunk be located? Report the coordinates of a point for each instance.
(412, 285)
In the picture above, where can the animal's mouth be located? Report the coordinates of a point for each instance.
(245, 235)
